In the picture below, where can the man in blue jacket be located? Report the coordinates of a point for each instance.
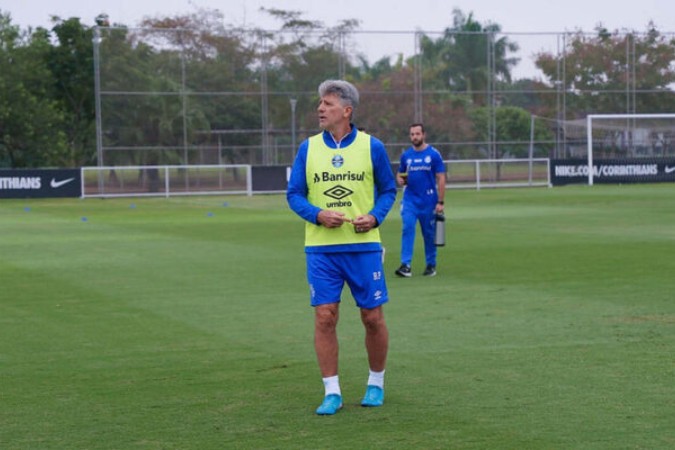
(422, 172)
(342, 185)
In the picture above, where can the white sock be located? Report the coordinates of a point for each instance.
(376, 379)
(332, 385)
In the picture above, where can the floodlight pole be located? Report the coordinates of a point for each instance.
(97, 95)
(97, 104)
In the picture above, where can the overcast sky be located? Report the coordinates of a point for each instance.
(521, 17)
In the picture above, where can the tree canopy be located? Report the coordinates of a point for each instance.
(190, 89)
(594, 66)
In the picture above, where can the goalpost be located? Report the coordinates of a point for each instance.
(497, 173)
(629, 136)
(166, 181)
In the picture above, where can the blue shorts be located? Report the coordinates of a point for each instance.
(362, 271)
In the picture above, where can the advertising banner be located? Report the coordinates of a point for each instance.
(269, 178)
(40, 183)
(617, 171)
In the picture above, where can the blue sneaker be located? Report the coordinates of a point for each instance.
(374, 396)
(331, 404)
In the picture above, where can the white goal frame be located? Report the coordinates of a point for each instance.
(485, 173)
(170, 181)
(589, 132)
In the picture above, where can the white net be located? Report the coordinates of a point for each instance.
(491, 173)
(621, 136)
(137, 181)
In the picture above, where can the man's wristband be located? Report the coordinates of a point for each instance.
(440, 202)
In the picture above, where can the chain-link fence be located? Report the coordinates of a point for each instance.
(190, 96)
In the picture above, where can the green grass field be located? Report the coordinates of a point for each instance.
(185, 324)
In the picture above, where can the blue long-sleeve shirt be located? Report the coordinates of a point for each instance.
(385, 187)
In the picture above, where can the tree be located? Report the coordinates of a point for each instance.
(598, 70)
(30, 119)
(458, 60)
(524, 93)
(298, 57)
(72, 66)
(191, 74)
(513, 131)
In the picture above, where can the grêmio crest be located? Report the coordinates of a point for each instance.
(337, 161)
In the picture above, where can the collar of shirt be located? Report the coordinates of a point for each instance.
(344, 142)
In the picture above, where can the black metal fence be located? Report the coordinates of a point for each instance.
(189, 96)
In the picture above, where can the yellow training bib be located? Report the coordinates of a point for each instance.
(341, 180)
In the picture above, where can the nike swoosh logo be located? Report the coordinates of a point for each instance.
(57, 184)
(669, 169)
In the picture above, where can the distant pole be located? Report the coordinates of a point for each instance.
(97, 106)
(97, 96)
(294, 102)
(531, 150)
(417, 77)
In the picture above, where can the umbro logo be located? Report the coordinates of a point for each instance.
(338, 192)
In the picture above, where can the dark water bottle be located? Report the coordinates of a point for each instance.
(440, 230)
